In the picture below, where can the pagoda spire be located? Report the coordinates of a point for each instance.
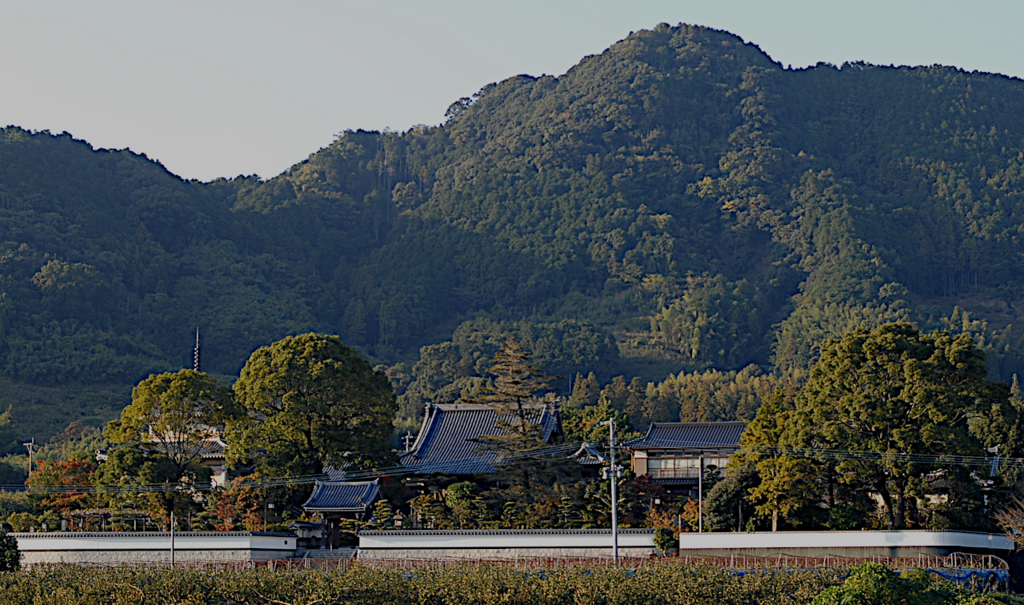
(195, 353)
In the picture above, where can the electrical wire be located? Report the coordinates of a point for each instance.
(472, 465)
(464, 465)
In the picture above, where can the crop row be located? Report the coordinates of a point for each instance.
(461, 585)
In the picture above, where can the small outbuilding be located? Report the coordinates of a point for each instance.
(590, 459)
(350, 499)
(334, 501)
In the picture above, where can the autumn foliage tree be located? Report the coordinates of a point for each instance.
(236, 507)
(63, 485)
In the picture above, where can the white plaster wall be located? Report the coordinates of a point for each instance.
(143, 547)
(510, 554)
(131, 557)
(476, 540)
(844, 539)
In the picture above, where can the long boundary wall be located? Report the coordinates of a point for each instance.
(844, 543)
(503, 544)
(116, 548)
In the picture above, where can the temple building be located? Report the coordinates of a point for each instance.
(449, 442)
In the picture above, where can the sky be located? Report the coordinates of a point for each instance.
(220, 88)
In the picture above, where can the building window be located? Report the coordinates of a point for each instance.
(683, 468)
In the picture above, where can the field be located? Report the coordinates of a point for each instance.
(458, 584)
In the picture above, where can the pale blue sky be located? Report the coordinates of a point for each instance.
(221, 88)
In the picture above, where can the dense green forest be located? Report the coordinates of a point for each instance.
(680, 211)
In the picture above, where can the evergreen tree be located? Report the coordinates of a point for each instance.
(172, 414)
(585, 391)
(787, 485)
(894, 390)
(727, 505)
(516, 393)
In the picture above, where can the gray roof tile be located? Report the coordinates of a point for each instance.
(445, 443)
(209, 448)
(690, 435)
(589, 455)
(341, 496)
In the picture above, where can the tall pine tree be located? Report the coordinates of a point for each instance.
(517, 394)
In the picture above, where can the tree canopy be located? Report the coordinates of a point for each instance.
(311, 402)
(172, 414)
(10, 556)
(894, 390)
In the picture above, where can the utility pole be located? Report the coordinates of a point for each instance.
(700, 496)
(172, 540)
(613, 474)
(31, 447)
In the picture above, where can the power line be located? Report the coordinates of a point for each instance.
(450, 467)
(468, 465)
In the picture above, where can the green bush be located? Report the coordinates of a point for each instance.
(664, 539)
(10, 556)
(875, 584)
(666, 581)
(992, 599)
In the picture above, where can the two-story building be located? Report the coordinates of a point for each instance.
(671, 453)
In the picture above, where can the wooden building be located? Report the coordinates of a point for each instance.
(671, 453)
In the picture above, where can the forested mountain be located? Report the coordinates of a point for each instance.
(675, 209)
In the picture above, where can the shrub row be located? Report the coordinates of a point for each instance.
(483, 584)
(463, 585)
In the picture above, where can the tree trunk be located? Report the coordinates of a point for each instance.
(883, 491)
(775, 520)
(900, 511)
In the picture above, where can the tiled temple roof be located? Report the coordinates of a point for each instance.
(445, 443)
(342, 497)
(209, 448)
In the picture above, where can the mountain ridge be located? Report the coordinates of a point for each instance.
(679, 203)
